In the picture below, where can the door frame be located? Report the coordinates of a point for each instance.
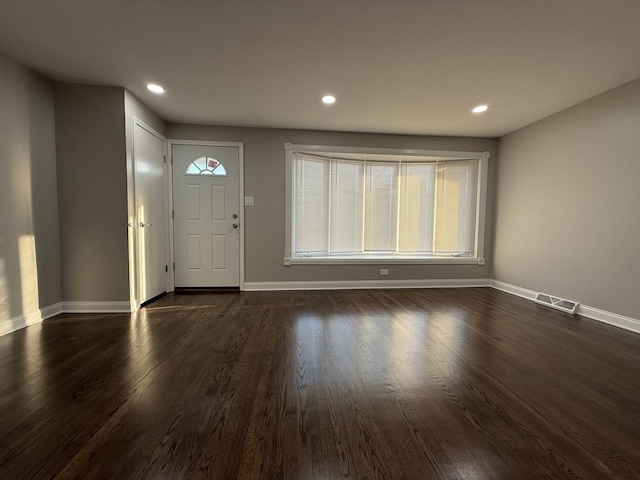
(240, 147)
(135, 269)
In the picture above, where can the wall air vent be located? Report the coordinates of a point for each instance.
(557, 303)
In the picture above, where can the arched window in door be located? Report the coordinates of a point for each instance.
(206, 166)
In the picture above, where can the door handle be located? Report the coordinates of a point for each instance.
(142, 224)
(235, 225)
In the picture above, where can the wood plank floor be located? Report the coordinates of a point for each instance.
(396, 384)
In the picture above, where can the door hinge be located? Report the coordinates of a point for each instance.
(173, 214)
(165, 159)
(166, 268)
(174, 266)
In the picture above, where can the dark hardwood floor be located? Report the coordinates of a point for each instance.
(396, 384)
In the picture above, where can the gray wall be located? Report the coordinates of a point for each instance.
(264, 178)
(568, 193)
(135, 108)
(92, 184)
(29, 236)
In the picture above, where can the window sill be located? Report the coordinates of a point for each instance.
(384, 260)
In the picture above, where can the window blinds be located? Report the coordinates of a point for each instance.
(353, 206)
(311, 205)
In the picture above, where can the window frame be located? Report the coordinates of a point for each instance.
(211, 173)
(373, 259)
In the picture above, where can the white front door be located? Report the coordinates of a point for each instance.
(206, 202)
(151, 211)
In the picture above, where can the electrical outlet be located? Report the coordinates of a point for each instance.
(384, 271)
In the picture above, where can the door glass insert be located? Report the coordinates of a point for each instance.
(206, 166)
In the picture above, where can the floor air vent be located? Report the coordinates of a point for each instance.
(555, 302)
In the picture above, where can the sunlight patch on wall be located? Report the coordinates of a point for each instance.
(4, 292)
(28, 273)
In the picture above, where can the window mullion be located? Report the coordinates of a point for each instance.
(398, 206)
(436, 186)
(364, 205)
(329, 210)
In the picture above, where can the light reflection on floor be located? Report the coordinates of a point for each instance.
(405, 349)
(141, 355)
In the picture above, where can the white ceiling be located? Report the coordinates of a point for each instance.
(396, 66)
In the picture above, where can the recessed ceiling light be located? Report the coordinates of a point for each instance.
(155, 88)
(328, 99)
(480, 108)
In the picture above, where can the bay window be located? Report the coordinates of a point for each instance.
(358, 205)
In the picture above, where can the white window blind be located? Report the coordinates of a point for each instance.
(347, 184)
(417, 203)
(381, 207)
(455, 212)
(312, 205)
(359, 205)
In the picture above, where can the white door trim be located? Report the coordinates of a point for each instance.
(134, 254)
(240, 147)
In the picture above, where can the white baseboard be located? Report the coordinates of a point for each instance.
(365, 284)
(628, 323)
(24, 320)
(51, 310)
(31, 318)
(18, 322)
(513, 290)
(96, 307)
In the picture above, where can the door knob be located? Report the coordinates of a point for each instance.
(235, 215)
